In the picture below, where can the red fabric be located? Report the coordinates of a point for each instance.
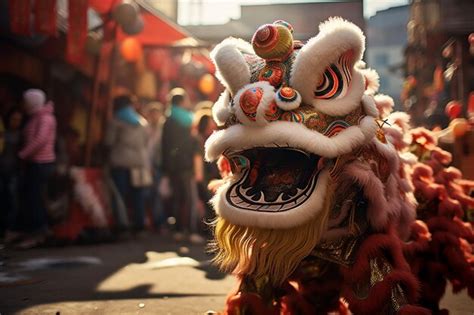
(252, 303)
(20, 12)
(378, 245)
(73, 226)
(102, 6)
(46, 17)
(78, 219)
(77, 32)
(156, 32)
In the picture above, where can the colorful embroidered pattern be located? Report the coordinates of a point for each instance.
(249, 102)
(273, 112)
(335, 80)
(273, 73)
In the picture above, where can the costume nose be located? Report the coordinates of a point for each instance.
(261, 104)
(287, 98)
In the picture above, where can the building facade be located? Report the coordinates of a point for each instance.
(386, 42)
(304, 17)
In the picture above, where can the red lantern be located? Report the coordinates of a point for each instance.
(471, 39)
(207, 84)
(131, 49)
(453, 109)
(156, 59)
(470, 104)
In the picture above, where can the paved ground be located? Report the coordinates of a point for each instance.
(121, 281)
(152, 276)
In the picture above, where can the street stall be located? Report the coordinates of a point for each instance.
(83, 53)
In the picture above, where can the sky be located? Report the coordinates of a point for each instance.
(220, 11)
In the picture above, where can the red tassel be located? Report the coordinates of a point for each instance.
(77, 31)
(46, 17)
(20, 14)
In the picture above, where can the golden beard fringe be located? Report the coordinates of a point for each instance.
(262, 252)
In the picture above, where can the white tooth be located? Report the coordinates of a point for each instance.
(298, 191)
(279, 199)
(262, 198)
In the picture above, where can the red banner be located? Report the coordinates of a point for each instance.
(46, 17)
(20, 15)
(77, 31)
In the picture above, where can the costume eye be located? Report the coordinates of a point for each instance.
(335, 81)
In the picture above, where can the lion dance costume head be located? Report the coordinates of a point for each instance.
(310, 216)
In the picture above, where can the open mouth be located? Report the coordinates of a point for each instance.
(272, 179)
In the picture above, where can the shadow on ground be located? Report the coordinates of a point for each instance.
(119, 275)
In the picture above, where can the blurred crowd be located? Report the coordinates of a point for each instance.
(157, 179)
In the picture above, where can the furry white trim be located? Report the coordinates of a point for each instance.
(267, 98)
(295, 135)
(373, 190)
(409, 158)
(384, 104)
(388, 151)
(372, 81)
(232, 70)
(360, 64)
(288, 105)
(221, 109)
(336, 37)
(400, 119)
(344, 105)
(401, 203)
(272, 220)
(369, 106)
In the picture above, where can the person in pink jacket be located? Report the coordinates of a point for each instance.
(39, 157)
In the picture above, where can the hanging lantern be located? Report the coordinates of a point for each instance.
(471, 39)
(459, 127)
(453, 109)
(135, 27)
(125, 13)
(470, 105)
(207, 84)
(131, 49)
(156, 58)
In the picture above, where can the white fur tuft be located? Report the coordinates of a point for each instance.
(232, 69)
(372, 81)
(284, 133)
(401, 119)
(336, 37)
(384, 104)
(221, 109)
(369, 106)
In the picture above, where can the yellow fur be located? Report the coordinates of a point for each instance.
(272, 252)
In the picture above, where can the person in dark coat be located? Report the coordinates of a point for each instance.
(178, 151)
